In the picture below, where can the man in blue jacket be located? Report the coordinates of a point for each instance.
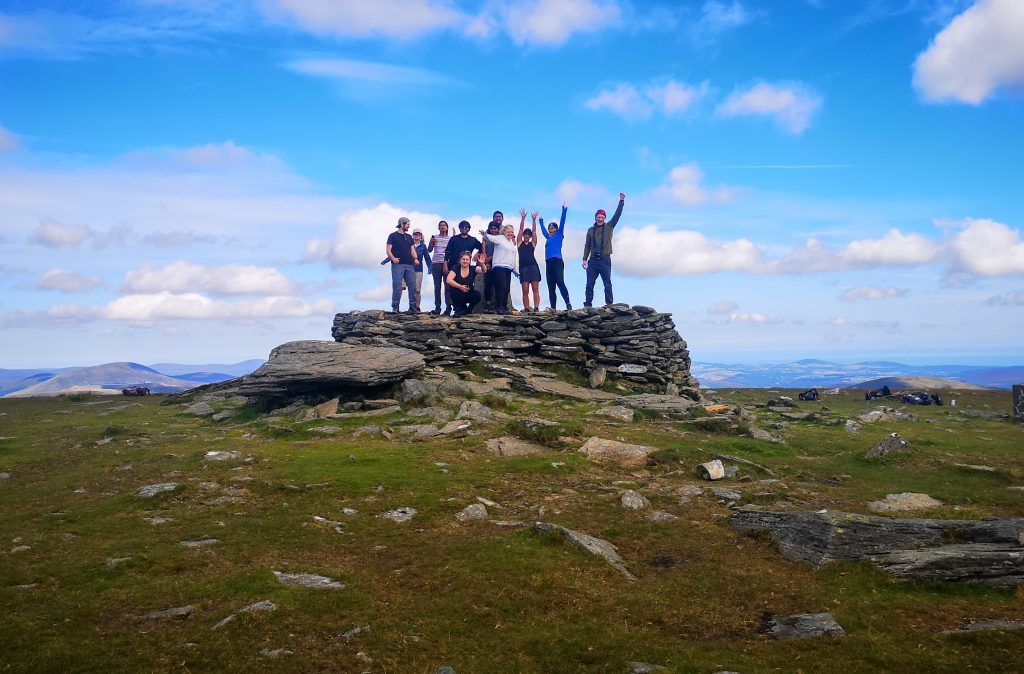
(597, 253)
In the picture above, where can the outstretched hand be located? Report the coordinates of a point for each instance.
(522, 212)
(535, 214)
(622, 196)
(565, 204)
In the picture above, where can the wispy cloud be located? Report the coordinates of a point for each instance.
(232, 279)
(8, 141)
(685, 185)
(871, 293)
(717, 18)
(67, 281)
(632, 102)
(1010, 299)
(340, 70)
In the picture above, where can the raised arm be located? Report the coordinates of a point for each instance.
(522, 225)
(561, 221)
(543, 229)
(618, 210)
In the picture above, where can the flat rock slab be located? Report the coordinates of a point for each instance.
(536, 382)
(176, 613)
(884, 413)
(151, 490)
(989, 552)
(657, 403)
(400, 515)
(986, 626)
(613, 451)
(801, 626)
(510, 446)
(200, 543)
(593, 545)
(904, 502)
(304, 366)
(308, 580)
(620, 412)
(259, 607)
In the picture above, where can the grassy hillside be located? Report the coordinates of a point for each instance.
(478, 596)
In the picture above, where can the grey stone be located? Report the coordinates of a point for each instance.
(986, 626)
(472, 512)
(454, 387)
(176, 613)
(598, 377)
(593, 545)
(200, 543)
(660, 516)
(199, 409)
(904, 502)
(988, 551)
(454, 427)
(400, 515)
(644, 668)
(259, 607)
(218, 455)
(274, 652)
(151, 490)
(438, 414)
(726, 494)
(634, 500)
(418, 430)
(892, 443)
(115, 561)
(612, 451)
(711, 470)
(801, 626)
(767, 436)
(308, 580)
(620, 412)
(657, 403)
(883, 413)
(326, 429)
(372, 430)
(630, 368)
(416, 391)
(475, 411)
(5, 475)
(510, 446)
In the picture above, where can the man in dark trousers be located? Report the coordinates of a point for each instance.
(597, 253)
(493, 227)
(404, 261)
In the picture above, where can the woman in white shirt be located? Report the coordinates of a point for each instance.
(505, 261)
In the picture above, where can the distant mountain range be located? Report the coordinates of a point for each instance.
(824, 374)
(160, 378)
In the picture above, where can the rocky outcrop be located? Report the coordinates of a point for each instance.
(318, 371)
(979, 551)
(635, 344)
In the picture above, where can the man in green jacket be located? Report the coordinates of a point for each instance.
(597, 253)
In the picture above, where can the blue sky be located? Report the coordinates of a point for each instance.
(201, 180)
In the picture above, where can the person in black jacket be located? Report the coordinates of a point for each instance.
(459, 244)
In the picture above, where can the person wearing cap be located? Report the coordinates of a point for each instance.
(597, 253)
(437, 247)
(529, 269)
(404, 260)
(554, 265)
(423, 255)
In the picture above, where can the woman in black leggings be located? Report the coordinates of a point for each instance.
(460, 283)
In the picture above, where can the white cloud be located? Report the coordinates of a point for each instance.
(716, 18)
(571, 190)
(648, 252)
(67, 281)
(400, 19)
(215, 154)
(752, 318)
(8, 141)
(166, 305)
(723, 307)
(54, 234)
(670, 98)
(233, 279)
(684, 185)
(893, 249)
(553, 22)
(980, 51)
(380, 73)
(361, 235)
(988, 248)
(790, 104)
(380, 293)
(871, 293)
(1009, 299)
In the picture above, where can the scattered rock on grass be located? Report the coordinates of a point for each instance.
(308, 580)
(904, 502)
(801, 626)
(634, 500)
(987, 625)
(472, 512)
(200, 543)
(645, 668)
(883, 413)
(890, 444)
(660, 516)
(4, 475)
(620, 412)
(114, 561)
(508, 445)
(400, 514)
(711, 470)
(151, 490)
(474, 411)
(275, 652)
(598, 377)
(258, 607)
(612, 451)
(591, 544)
(199, 409)
(178, 612)
(222, 456)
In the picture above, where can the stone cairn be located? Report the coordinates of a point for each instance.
(637, 343)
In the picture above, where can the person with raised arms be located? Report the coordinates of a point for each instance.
(529, 269)
(554, 265)
(597, 253)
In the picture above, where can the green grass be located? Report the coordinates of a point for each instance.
(476, 596)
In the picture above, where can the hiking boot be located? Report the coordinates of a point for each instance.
(568, 307)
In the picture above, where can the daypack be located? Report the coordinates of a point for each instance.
(883, 392)
(809, 394)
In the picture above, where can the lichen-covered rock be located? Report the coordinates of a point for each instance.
(613, 451)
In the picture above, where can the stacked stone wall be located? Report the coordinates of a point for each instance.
(637, 343)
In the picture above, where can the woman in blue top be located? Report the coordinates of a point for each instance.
(553, 263)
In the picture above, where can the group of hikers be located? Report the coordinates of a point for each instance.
(455, 261)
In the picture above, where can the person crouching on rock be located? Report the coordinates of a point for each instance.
(404, 260)
(504, 262)
(460, 283)
(529, 270)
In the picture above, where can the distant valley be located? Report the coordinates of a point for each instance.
(824, 374)
(112, 377)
